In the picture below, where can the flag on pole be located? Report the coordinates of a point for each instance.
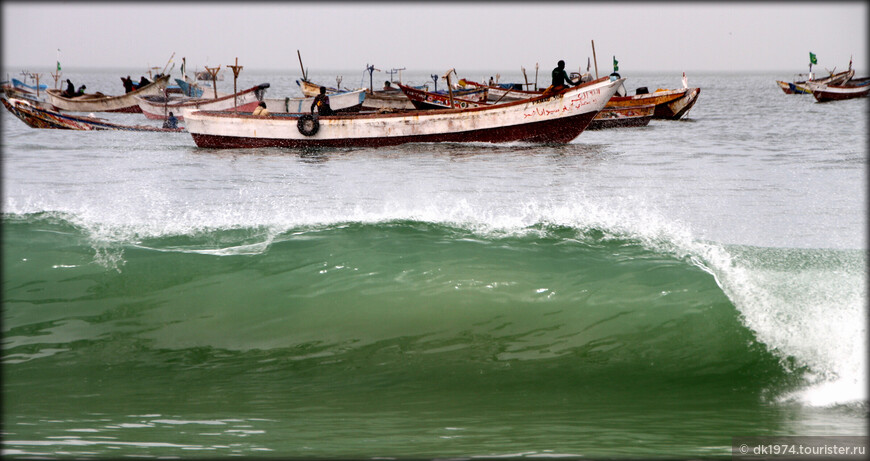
(58, 59)
(813, 58)
(615, 64)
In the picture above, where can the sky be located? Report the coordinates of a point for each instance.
(436, 36)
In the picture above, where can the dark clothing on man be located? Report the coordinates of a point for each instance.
(128, 84)
(70, 89)
(321, 102)
(171, 122)
(560, 77)
(560, 80)
(143, 81)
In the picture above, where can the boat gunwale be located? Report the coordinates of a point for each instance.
(408, 113)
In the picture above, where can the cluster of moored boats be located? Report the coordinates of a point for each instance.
(466, 111)
(836, 86)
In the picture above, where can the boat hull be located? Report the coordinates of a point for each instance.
(424, 100)
(36, 117)
(669, 104)
(622, 117)
(93, 103)
(245, 101)
(825, 93)
(556, 119)
(804, 86)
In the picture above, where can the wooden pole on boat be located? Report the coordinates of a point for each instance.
(167, 63)
(56, 76)
(236, 69)
(213, 72)
(449, 86)
(304, 75)
(596, 59)
(525, 77)
(536, 78)
(36, 76)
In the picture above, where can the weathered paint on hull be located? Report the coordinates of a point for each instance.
(840, 94)
(246, 101)
(675, 109)
(559, 131)
(556, 119)
(125, 103)
(618, 117)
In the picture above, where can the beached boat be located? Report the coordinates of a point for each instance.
(854, 88)
(37, 117)
(102, 103)
(347, 101)
(801, 83)
(158, 107)
(423, 100)
(553, 119)
(622, 117)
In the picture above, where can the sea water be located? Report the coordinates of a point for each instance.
(636, 293)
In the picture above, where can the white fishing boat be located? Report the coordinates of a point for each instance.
(545, 119)
(99, 102)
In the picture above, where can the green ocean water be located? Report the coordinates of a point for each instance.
(396, 339)
(637, 293)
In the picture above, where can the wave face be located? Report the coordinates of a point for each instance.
(337, 320)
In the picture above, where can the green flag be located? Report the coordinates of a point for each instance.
(813, 58)
(615, 64)
(58, 66)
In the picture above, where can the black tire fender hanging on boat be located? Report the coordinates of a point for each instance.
(308, 125)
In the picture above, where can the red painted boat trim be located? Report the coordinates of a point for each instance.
(558, 131)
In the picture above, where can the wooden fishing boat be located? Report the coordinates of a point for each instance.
(669, 104)
(101, 103)
(347, 101)
(20, 92)
(802, 81)
(622, 117)
(854, 88)
(423, 100)
(499, 93)
(37, 117)
(158, 107)
(19, 84)
(375, 100)
(552, 119)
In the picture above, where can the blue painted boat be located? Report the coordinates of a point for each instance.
(19, 84)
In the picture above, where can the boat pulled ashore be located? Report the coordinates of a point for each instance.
(545, 119)
(102, 103)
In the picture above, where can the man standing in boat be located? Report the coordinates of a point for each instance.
(561, 80)
(321, 102)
